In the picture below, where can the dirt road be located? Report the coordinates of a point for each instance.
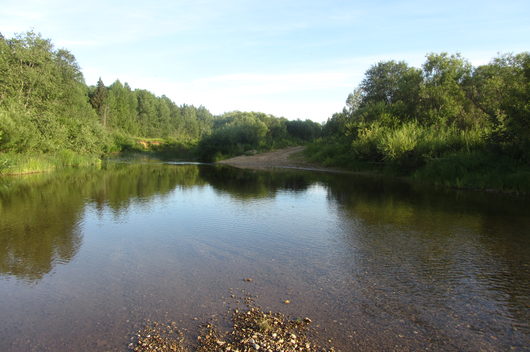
(288, 158)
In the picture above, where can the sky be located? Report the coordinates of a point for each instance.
(296, 59)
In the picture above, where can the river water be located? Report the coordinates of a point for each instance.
(86, 256)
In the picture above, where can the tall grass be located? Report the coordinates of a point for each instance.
(16, 164)
(412, 144)
(23, 164)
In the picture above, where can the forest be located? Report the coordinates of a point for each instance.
(447, 123)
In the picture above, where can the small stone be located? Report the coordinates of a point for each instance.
(286, 301)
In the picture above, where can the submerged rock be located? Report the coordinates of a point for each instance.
(251, 330)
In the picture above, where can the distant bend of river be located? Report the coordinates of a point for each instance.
(87, 255)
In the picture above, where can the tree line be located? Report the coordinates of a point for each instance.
(448, 121)
(46, 107)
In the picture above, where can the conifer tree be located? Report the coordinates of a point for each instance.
(98, 99)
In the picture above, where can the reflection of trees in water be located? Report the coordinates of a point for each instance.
(40, 213)
(407, 238)
(38, 226)
(120, 184)
(250, 184)
(438, 249)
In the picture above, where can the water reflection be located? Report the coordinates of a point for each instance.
(38, 225)
(441, 268)
(433, 257)
(252, 184)
(40, 214)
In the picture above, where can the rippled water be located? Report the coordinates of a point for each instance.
(87, 255)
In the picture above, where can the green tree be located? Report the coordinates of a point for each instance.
(443, 93)
(44, 104)
(99, 101)
(393, 84)
(123, 108)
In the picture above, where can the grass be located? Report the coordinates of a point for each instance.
(18, 164)
(12, 164)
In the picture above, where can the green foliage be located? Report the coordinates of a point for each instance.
(236, 133)
(141, 113)
(392, 83)
(16, 163)
(43, 100)
(397, 143)
(99, 101)
(421, 122)
(304, 130)
(46, 108)
(333, 152)
(477, 170)
(22, 163)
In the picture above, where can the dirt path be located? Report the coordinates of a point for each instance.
(284, 158)
(287, 157)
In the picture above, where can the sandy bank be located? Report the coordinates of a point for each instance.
(291, 157)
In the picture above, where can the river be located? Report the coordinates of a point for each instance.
(86, 256)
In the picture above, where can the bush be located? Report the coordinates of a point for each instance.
(396, 144)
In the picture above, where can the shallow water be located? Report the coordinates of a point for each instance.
(86, 256)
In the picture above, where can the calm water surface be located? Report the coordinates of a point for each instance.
(86, 256)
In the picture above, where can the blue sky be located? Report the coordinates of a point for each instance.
(297, 59)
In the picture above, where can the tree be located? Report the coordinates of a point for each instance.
(502, 91)
(443, 94)
(122, 108)
(98, 99)
(43, 99)
(394, 84)
(147, 113)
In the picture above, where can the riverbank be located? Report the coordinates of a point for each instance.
(22, 164)
(471, 173)
(12, 163)
(292, 157)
